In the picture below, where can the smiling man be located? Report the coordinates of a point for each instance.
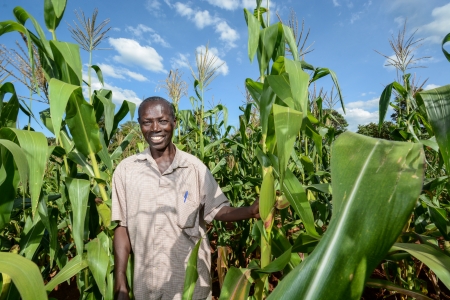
(163, 199)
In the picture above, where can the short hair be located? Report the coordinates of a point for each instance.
(157, 99)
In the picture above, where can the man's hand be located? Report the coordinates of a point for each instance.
(254, 209)
(233, 214)
(122, 249)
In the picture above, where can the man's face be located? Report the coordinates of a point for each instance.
(157, 125)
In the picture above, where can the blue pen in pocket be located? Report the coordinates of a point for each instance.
(185, 196)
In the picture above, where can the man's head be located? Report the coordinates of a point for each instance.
(157, 121)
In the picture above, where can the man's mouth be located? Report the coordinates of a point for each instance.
(156, 139)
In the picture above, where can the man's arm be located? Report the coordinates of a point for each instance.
(122, 249)
(233, 214)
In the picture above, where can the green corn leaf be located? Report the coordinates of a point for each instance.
(267, 99)
(296, 195)
(30, 239)
(98, 262)
(255, 89)
(299, 81)
(83, 127)
(432, 256)
(22, 16)
(99, 73)
(290, 39)
(80, 159)
(439, 218)
(268, 41)
(444, 41)
(34, 145)
(73, 267)
(191, 273)
(437, 103)
(267, 196)
(19, 158)
(67, 58)
(60, 93)
(384, 284)
(125, 108)
(119, 150)
(10, 153)
(53, 14)
(384, 104)
(367, 175)
(338, 88)
(281, 86)
(237, 284)
(10, 110)
(103, 154)
(278, 264)
(59, 6)
(305, 243)
(105, 98)
(253, 33)
(78, 191)
(287, 127)
(25, 276)
(50, 220)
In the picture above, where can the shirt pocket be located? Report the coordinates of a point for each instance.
(188, 213)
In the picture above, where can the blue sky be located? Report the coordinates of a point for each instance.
(148, 38)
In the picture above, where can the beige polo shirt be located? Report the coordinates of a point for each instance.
(165, 215)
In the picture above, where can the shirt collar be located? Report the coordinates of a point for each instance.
(179, 161)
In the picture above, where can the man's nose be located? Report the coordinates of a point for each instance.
(154, 126)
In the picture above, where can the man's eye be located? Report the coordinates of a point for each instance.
(163, 122)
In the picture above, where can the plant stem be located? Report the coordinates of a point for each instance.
(89, 76)
(103, 209)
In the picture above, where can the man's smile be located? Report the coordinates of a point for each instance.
(156, 139)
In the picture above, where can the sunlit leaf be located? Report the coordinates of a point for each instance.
(74, 266)
(191, 273)
(34, 145)
(236, 285)
(98, 262)
(25, 275)
(433, 257)
(78, 191)
(357, 239)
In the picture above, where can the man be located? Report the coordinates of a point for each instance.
(162, 198)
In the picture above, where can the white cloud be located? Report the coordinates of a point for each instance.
(180, 61)
(358, 116)
(183, 9)
(400, 21)
(132, 53)
(355, 17)
(363, 104)
(362, 112)
(154, 7)
(336, 3)
(249, 4)
(139, 31)
(118, 94)
(203, 19)
(121, 73)
(349, 4)
(227, 33)
(438, 28)
(431, 86)
(226, 4)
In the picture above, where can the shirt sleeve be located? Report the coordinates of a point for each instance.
(211, 195)
(119, 205)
